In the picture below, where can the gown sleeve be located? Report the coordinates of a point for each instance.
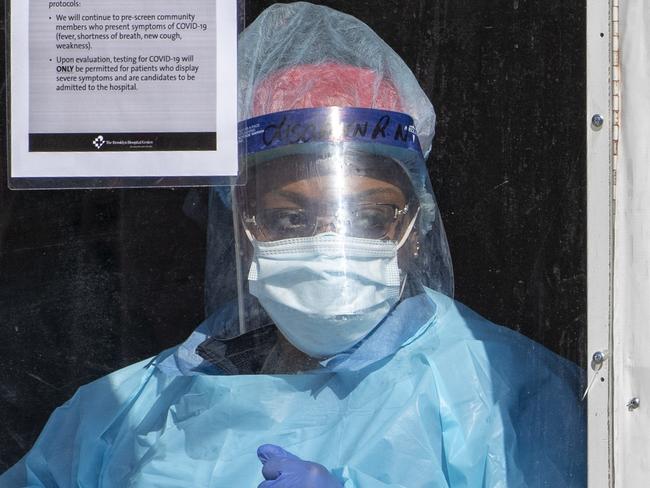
(70, 449)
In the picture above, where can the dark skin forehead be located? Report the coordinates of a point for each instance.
(299, 181)
(329, 189)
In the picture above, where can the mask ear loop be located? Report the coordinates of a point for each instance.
(409, 229)
(402, 241)
(249, 235)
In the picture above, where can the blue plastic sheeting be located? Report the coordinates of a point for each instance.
(460, 403)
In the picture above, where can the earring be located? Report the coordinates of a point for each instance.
(416, 253)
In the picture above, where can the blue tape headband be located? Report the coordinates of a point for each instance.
(330, 124)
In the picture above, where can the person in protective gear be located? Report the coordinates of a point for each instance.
(333, 352)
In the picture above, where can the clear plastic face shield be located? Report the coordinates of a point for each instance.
(336, 225)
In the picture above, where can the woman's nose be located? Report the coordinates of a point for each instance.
(332, 223)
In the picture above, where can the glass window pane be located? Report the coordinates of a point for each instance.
(340, 345)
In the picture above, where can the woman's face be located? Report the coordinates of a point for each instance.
(313, 202)
(359, 206)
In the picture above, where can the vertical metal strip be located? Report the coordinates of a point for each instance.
(614, 106)
(631, 334)
(600, 187)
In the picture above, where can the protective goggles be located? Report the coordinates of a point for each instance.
(365, 220)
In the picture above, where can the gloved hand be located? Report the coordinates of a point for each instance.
(281, 469)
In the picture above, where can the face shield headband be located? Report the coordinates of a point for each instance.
(328, 125)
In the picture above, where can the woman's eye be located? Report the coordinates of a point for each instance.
(376, 218)
(291, 218)
(285, 219)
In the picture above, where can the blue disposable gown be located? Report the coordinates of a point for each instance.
(436, 397)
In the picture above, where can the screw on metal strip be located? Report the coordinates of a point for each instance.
(633, 404)
(597, 121)
(597, 361)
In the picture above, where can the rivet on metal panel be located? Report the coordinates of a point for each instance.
(597, 121)
(633, 404)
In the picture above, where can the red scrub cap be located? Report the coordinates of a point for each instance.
(324, 85)
(300, 55)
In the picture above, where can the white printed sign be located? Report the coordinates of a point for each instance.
(126, 88)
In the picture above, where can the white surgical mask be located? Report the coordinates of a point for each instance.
(327, 292)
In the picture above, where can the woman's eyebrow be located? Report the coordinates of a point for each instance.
(375, 192)
(290, 195)
(302, 199)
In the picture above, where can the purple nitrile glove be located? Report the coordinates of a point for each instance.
(281, 469)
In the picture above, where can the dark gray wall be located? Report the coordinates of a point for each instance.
(93, 280)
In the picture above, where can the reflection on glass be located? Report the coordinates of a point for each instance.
(336, 355)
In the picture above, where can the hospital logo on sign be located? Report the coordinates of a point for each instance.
(99, 141)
